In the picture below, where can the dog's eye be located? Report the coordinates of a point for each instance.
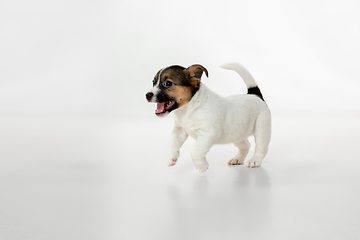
(167, 83)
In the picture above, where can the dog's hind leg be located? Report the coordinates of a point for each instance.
(239, 158)
(262, 135)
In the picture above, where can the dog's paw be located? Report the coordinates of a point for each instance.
(252, 163)
(172, 162)
(173, 159)
(235, 161)
(203, 166)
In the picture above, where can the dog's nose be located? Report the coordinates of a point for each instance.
(149, 95)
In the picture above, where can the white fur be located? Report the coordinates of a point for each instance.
(213, 119)
(156, 89)
(242, 71)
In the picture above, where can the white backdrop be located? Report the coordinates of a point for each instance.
(82, 152)
(100, 56)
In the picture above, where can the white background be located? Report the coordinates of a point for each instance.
(82, 152)
(100, 56)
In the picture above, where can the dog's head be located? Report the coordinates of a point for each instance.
(174, 86)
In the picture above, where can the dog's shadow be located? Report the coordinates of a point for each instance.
(242, 200)
(253, 193)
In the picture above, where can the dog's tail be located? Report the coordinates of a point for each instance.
(246, 76)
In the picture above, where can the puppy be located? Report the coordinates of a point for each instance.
(209, 118)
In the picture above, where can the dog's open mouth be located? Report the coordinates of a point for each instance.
(164, 106)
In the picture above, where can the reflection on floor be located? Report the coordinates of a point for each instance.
(105, 178)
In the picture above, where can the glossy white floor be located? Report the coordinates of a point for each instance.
(104, 178)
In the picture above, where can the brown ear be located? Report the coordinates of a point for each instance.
(195, 72)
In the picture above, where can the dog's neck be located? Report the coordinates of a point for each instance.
(195, 102)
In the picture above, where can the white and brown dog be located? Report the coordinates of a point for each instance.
(209, 118)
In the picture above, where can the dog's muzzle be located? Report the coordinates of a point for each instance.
(149, 95)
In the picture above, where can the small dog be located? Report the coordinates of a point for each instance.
(209, 118)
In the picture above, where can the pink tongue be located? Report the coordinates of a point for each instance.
(160, 107)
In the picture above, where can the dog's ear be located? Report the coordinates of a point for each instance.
(195, 72)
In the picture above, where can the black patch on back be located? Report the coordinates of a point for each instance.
(256, 91)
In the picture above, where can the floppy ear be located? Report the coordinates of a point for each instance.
(195, 72)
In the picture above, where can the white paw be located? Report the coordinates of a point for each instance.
(252, 163)
(236, 161)
(172, 162)
(203, 166)
(173, 159)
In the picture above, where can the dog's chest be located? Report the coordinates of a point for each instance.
(190, 123)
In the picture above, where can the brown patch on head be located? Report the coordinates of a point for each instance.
(195, 72)
(178, 83)
(181, 94)
(186, 82)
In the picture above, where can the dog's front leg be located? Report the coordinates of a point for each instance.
(177, 139)
(199, 150)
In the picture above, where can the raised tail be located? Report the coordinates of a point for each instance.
(246, 76)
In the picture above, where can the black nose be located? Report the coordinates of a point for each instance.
(149, 95)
